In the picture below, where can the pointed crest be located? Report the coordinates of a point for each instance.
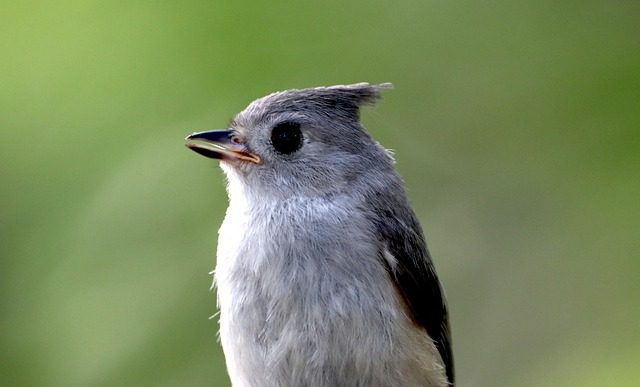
(341, 100)
(358, 94)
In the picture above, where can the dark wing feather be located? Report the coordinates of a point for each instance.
(414, 274)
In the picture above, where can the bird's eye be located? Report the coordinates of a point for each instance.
(286, 137)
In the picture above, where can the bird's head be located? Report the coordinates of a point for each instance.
(307, 142)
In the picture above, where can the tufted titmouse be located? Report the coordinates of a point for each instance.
(323, 273)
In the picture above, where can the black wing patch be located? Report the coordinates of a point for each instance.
(415, 278)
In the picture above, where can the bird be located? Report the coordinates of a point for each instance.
(323, 275)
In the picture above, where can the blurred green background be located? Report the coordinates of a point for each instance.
(516, 126)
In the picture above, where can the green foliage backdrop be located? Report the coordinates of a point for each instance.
(516, 126)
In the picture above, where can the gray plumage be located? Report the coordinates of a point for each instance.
(323, 274)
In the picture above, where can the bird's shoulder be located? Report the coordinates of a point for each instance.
(410, 267)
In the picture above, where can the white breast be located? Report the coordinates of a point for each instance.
(305, 301)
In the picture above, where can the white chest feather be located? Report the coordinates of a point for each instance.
(306, 301)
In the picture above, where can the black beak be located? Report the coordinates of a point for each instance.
(220, 145)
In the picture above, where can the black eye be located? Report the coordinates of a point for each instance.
(286, 137)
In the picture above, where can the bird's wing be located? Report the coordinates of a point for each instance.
(414, 275)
